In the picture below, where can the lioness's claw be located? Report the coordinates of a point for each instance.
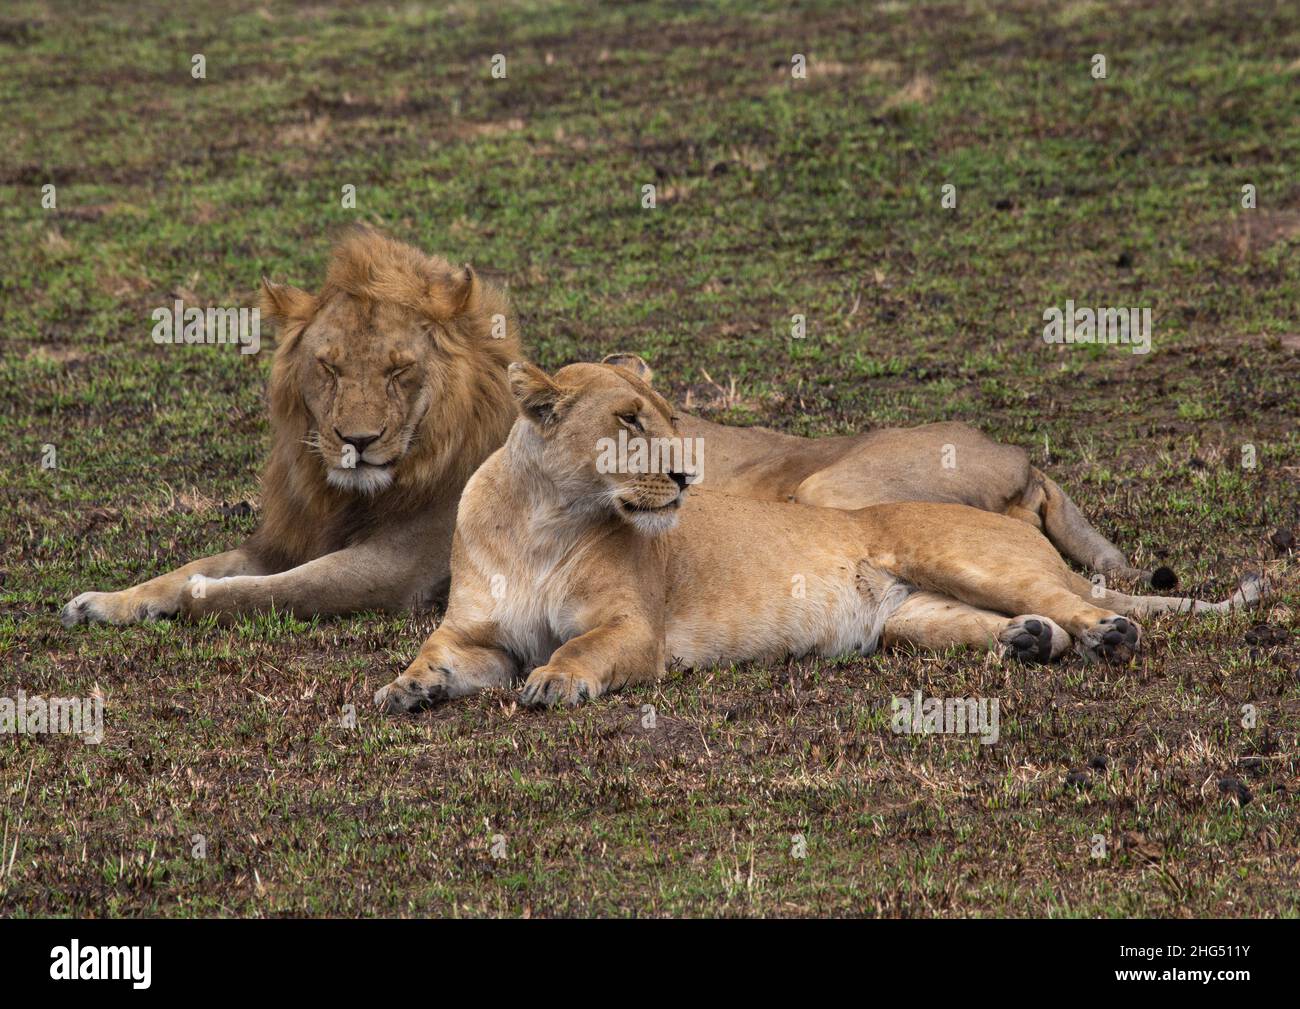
(547, 687)
(407, 694)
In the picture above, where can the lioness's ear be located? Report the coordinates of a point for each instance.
(633, 363)
(282, 303)
(537, 395)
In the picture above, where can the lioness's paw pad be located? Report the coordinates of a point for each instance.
(408, 694)
(548, 687)
(1116, 639)
(1032, 638)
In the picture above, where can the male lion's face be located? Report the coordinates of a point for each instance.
(608, 442)
(364, 370)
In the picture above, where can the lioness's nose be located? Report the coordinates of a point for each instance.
(679, 479)
(358, 441)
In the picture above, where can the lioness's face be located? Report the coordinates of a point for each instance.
(609, 442)
(364, 371)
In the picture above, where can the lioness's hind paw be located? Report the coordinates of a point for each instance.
(1115, 639)
(1032, 638)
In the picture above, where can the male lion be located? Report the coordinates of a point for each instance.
(593, 579)
(389, 388)
(387, 391)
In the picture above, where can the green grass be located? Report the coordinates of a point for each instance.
(775, 196)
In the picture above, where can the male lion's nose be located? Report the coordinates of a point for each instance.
(358, 441)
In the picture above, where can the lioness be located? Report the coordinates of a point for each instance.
(389, 388)
(593, 579)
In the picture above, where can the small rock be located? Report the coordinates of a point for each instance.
(1140, 846)
(1283, 541)
(1099, 762)
(1235, 791)
(1266, 636)
(1078, 780)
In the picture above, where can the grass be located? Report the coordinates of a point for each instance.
(775, 197)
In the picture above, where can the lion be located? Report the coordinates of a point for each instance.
(581, 578)
(387, 390)
(943, 462)
(389, 387)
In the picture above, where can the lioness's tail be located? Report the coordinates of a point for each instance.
(1249, 593)
(1074, 536)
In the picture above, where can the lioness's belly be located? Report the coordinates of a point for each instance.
(757, 580)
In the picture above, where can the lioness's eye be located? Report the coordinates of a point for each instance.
(630, 419)
(327, 367)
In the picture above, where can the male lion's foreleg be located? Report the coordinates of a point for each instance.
(362, 577)
(933, 621)
(621, 651)
(159, 597)
(451, 663)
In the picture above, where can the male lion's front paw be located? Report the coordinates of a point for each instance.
(549, 685)
(413, 692)
(1032, 638)
(1116, 639)
(113, 608)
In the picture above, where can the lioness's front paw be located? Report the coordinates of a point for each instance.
(413, 692)
(1115, 638)
(550, 685)
(113, 608)
(1032, 638)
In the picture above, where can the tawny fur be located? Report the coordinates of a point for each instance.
(333, 542)
(377, 535)
(584, 580)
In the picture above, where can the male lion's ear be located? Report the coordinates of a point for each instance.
(282, 303)
(537, 395)
(633, 363)
(455, 295)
